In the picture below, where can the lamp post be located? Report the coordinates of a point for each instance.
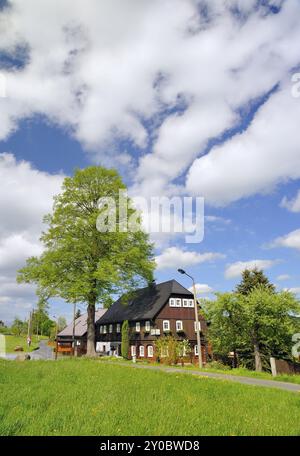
(181, 271)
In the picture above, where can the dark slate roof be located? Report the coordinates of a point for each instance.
(80, 324)
(145, 303)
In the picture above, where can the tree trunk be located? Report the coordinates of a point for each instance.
(235, 359)
(257, 357)
(90, 350)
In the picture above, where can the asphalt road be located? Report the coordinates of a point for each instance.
(233, 378)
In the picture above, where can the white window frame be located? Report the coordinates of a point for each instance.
(195, 325)
(137, 327)
(172, 302)
(133, 350)
(101, 329)
(147, 326)
(118, 327)
(167, 322)
(191, 303)
(196, 350)
(110, 329)
(178, 302)
(150, 351)
(185, 303)
(179, 325)
(142, 351)
(104, 329)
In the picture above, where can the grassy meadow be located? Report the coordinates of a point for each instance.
(13, 341)
(88, 397)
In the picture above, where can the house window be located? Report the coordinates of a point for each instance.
(178, 302)
(179, 325)
(110, 328)
(101, 329)
(150, 351)
(185, 303)
(118, 328)
(142, 351)
(172, 302)
(191, 303)
(137, 327)
(199, 325)
(166, 325)
(104, 329)
(133, 350)
(196, 351)
(147, 326)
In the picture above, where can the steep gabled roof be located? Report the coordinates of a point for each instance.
(80, 324)
(145, 303)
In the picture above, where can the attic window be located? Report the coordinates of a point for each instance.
(118, 328)
(178, 302)
(147, 326)
(191, 303)
(185, 303)
(138, 327)
(172, 302)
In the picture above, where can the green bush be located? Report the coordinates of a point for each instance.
(217, 365)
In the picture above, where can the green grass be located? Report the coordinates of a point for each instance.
(88, 397)
(13, 341)
(236, 372)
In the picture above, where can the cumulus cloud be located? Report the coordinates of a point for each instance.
(235, 269)
(202, 288)
(290, 240)
(167, 75)
(174, 258)
(26, 196)
(293, 204)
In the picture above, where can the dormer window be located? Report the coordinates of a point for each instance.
(110, 329)
(185, 303)
(147, 326)
(138, 327)
(178, 302)
(104, 329)
(118, 328)
(191, 303)
(172, 302)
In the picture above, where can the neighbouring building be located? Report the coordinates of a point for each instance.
(153, 312)
(65, 337)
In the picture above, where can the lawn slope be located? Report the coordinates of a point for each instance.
(87, 397)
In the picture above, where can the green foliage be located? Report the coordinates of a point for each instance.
(81, 264)
(125, 340)
(258, 325)
(218, 365)
(18, 327)
(169, 350)
(252, 279)
(179, 404)
(40, 322)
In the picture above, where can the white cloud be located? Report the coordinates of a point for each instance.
(26, 196)
(293, 204)
(102, 71)
(295, 290)
(202, 288)
(283, 277)
(174, 258)
(235, 270)
(290, 240)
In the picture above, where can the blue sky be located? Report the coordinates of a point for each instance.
(183, 105)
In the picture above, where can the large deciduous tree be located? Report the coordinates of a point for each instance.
(80, 263)
(260, 322)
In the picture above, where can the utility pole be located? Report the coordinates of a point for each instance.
(74, 315)
(196, 318)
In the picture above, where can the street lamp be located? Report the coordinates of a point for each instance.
(181, 271)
